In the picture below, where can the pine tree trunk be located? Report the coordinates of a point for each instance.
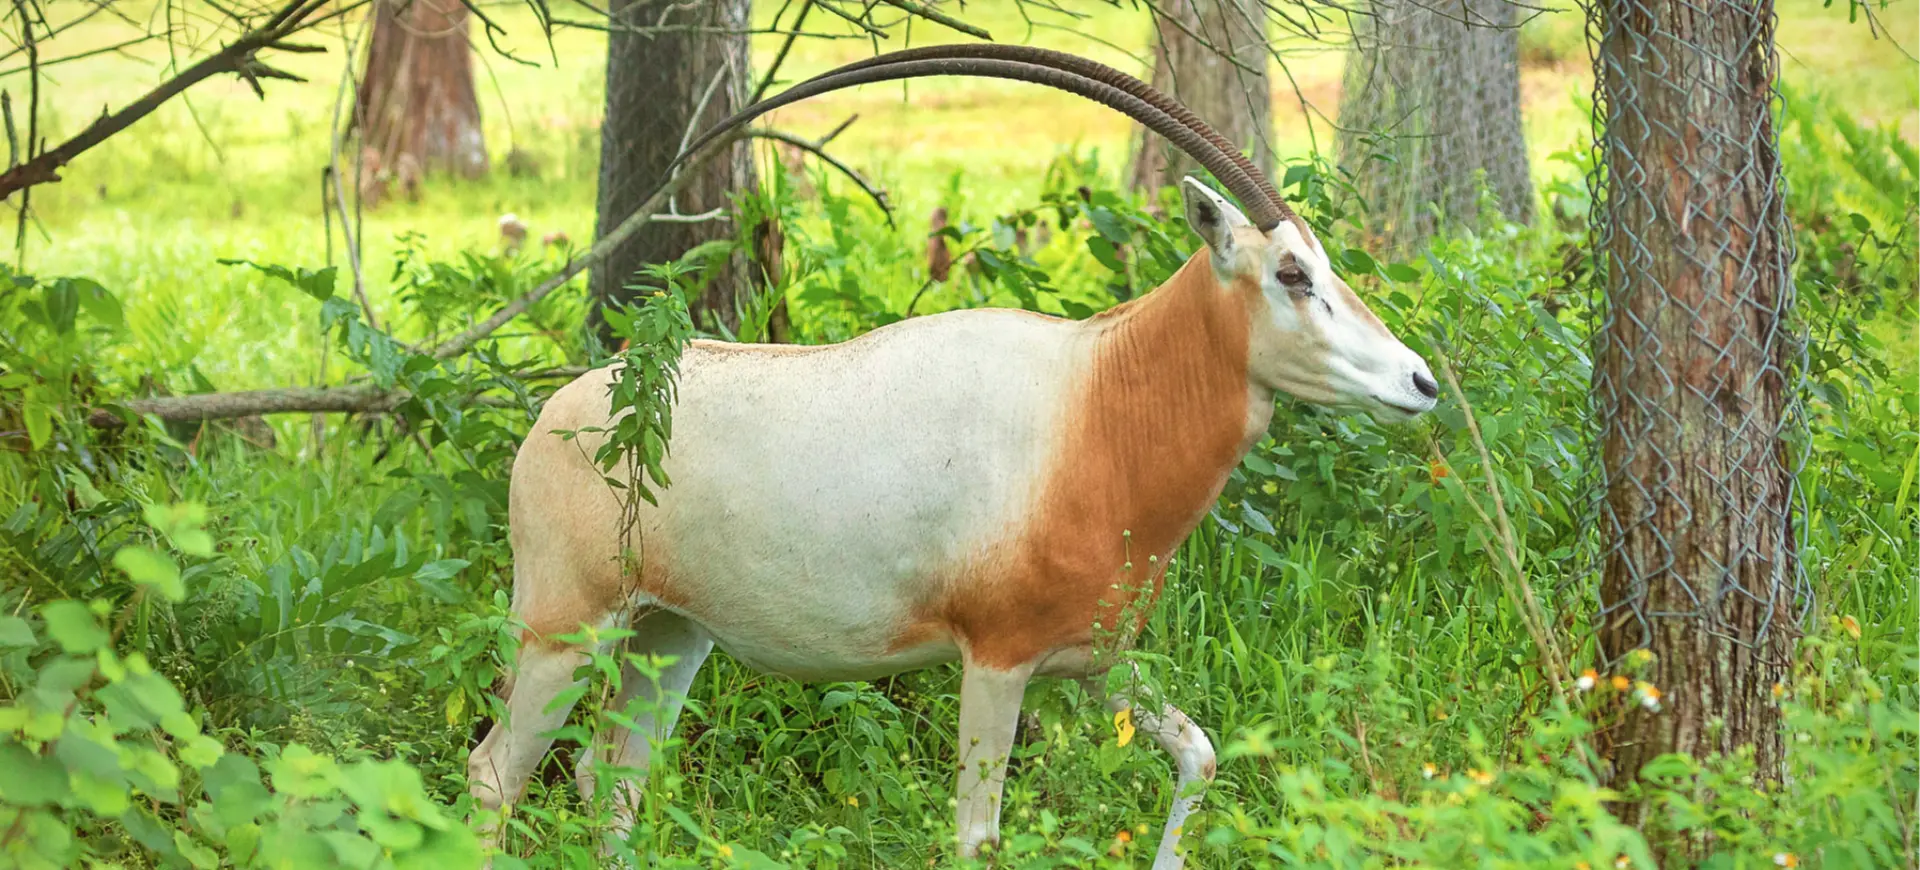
(416, 109)
(1212, 56)
(655, 84)
(1428, 104)
(1691, 380)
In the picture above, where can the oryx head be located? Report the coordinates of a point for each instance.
(1310, 337)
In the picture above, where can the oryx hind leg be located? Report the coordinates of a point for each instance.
(1193, 761)
(653, 704)
(498, 768)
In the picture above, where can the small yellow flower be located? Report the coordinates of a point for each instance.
(1640, 657)
(1123, 724)
(853, 800)
(1428, 770)
(1480, 776)
(1850, 626)
(1587, 679)
(724, 851)
(1786, 859)
(1622, 862)
(1649, 696)
(1582, 865)
(1620, 683)
(1779, 690)
(1124, 836)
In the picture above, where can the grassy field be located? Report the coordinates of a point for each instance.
(1338, 626)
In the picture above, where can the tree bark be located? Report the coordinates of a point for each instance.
(1212, 56)
(1430, 102)
(656, 82)
(416, 109)
(1700, 564)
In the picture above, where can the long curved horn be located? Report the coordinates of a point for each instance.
(1094, 70)
(1263, 210)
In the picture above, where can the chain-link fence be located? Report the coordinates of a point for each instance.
(673, 71)
(1430, 115)
(1697, 361)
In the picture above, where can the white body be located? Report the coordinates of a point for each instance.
(976, 485)
(803, 529)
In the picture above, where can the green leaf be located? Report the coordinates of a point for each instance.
(201, 752)
(182, 523)
(1264, 553)
(1109, 225)
(241, 843)
(200, 856)
(1861, 223)
(72, 625)
(14, 632)
(453, 847)
(96, 301)
(1402, 272)
(443, 569)
(148, 831)
(62, 302)
(1104, 252)
(1359, 262)
(149, 568)
(32, 780)
(39, 424)
(315, 283)
(238, 796)
(104, 796)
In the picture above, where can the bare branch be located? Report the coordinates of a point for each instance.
(225, 406)
(250, 403)
(936, 16)
(83, 55)
(708, 215)
(780, 57)
(237, 57)
(350, 239)
(818, 149)
(856, 21)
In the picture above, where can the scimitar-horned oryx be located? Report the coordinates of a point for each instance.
(980, 485)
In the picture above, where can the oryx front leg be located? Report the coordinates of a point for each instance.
(989, 712)
(1193, 762)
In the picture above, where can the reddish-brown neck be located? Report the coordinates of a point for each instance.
(1158, 419)
(1163, 417)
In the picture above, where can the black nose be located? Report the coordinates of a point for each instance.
(1425, 385)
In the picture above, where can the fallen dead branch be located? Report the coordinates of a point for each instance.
(225, 406)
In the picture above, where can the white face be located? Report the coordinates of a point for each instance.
(1311, 337)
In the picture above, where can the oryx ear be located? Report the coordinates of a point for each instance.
(1211, 216)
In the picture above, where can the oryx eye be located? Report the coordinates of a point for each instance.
(1294, 278)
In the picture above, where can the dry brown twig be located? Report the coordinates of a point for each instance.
(1500, 530)
(239, 57)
